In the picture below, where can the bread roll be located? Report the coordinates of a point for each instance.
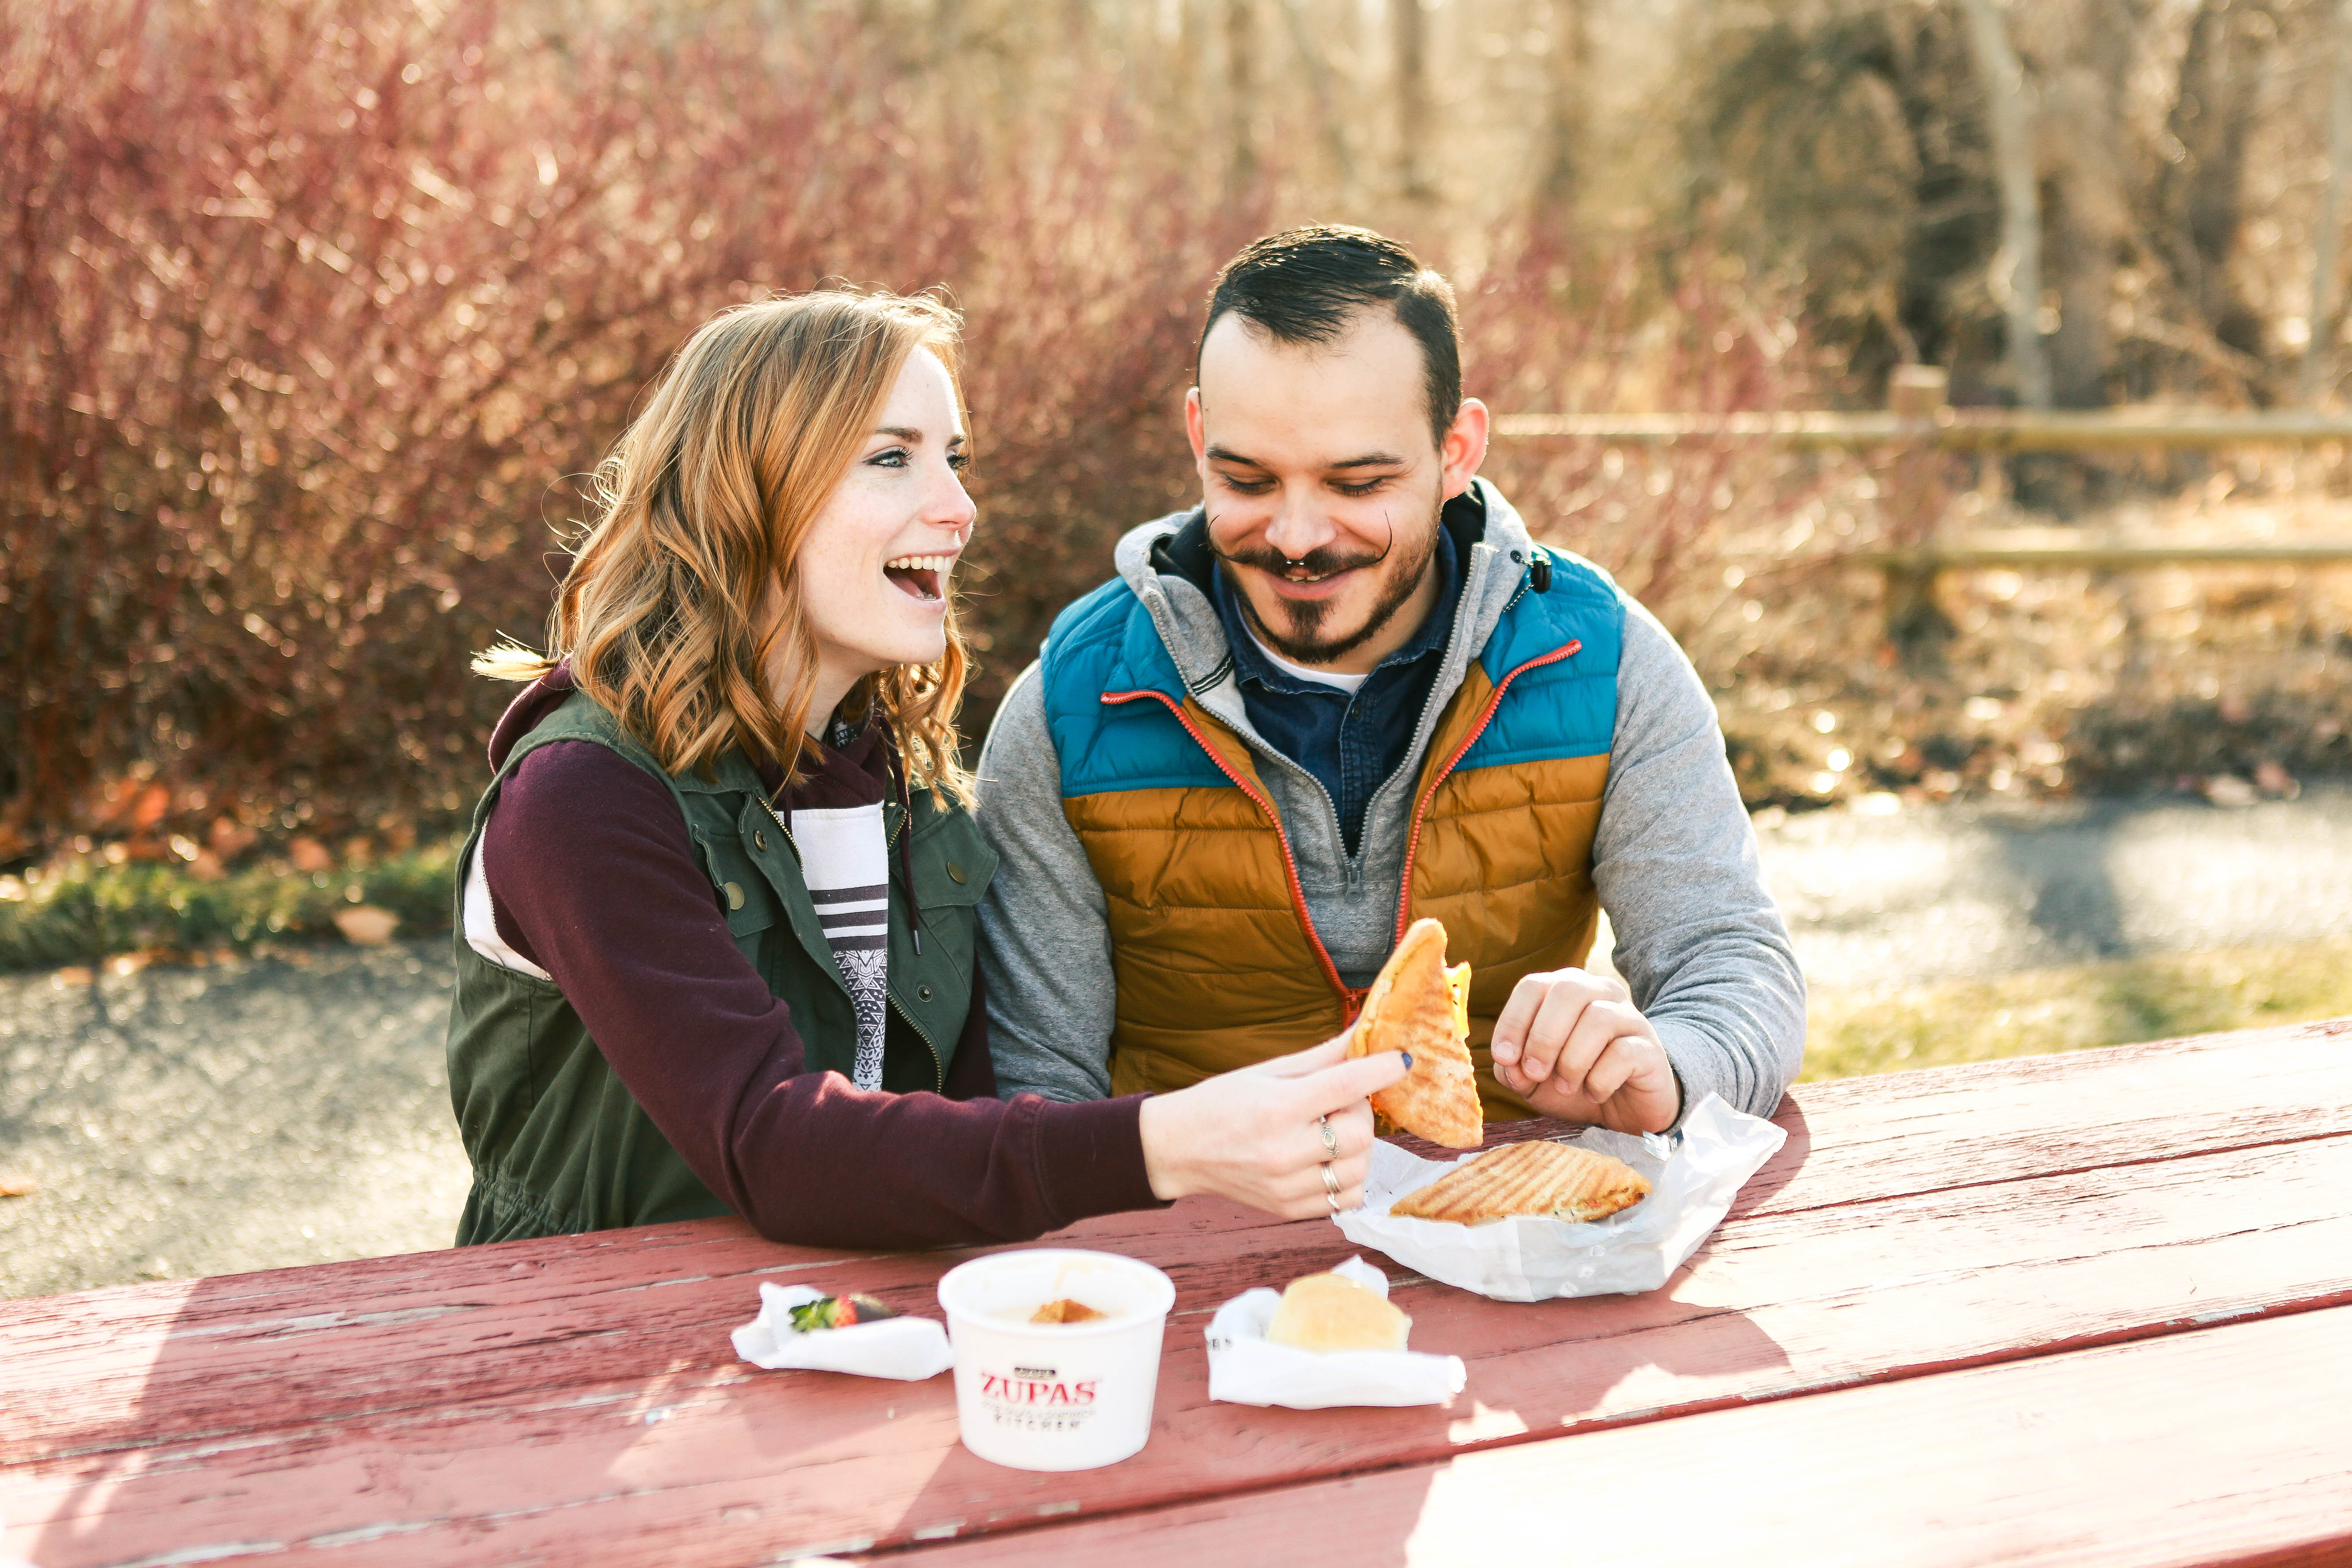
(1326, 1312)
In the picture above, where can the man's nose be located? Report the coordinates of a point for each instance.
(1298, 526)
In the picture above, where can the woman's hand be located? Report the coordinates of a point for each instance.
(1252, 1135)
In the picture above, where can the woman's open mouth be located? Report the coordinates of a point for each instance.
(921, 577)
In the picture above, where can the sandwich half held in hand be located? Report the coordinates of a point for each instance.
(1419, 1006)
(1556, 1180)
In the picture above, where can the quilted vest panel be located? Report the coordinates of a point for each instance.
(1215, 958)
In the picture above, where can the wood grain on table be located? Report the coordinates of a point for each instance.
(501, 1401)
(2177, 1450)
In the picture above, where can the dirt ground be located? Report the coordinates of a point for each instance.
(292, 1109)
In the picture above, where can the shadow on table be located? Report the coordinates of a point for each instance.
(1536, 1371)
(1783, 1166)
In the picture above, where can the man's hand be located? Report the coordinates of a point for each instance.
(1252, 1135)
(1575, 1045)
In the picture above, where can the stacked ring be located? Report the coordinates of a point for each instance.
(1330, 1152)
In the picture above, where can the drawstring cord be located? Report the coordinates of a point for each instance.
(907, 846)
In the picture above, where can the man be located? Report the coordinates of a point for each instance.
(1347, 691)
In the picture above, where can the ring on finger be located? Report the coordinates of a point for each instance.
(1330, 1139)
(1331, 1191)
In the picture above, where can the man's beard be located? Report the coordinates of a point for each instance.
(1304, 639)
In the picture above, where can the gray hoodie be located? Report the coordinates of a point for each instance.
(1699, 941)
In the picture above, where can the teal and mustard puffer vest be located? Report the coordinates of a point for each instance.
(1217, 961)
(559, 1145)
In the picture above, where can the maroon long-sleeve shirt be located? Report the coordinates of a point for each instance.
(592, 879)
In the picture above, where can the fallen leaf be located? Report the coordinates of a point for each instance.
(18, 1186)
(2228, 790)
(366, 926)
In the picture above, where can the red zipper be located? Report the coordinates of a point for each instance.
(1421, 811)
(1352, 1000)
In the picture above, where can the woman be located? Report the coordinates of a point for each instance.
(716, 926)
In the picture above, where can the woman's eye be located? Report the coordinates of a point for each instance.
(959, 460)
(896, 458)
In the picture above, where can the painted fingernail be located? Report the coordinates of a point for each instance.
(1408, 1059)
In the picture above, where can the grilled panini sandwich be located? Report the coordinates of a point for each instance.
(1554, 1179)
(1417, 1004)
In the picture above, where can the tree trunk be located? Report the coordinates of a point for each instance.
(1241, 99)
(2010, 112)
(1317, 71)
(1409, 34)
(2214, 105)
(1565, 121)
(2319, 349)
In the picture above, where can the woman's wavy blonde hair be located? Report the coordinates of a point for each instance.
(703, 505)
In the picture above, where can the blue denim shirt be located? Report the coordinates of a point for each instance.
(1350, 744)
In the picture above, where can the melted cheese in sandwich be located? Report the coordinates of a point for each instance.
(1457, 981)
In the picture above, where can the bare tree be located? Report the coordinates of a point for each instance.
(1240, 98)
(1317, 71)
(2217, 100)
(1561, 153)
(2009, 110)
(2326, 242)
(1409, 43)
(2083, 86)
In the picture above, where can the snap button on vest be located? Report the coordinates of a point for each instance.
(924, 991)
(955, 870)
(734, 895)
(759, 838)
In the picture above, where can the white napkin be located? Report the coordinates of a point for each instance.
(1693, 1178)
(1247, 1368)
(908, 1349)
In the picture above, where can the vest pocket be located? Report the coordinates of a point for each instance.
(745, 896)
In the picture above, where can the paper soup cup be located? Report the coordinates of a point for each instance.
(1056, 1396)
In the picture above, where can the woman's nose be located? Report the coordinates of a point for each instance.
(952, 505)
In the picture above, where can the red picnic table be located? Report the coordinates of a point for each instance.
(2094, 1307)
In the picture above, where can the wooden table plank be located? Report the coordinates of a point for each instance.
(748, 1465)
(2228, 1445)
(220, 1357)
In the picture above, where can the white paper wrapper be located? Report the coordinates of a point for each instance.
(1246, 1368)
(1693, 1177)
(908, 1349)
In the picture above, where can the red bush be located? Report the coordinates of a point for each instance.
(312, 307)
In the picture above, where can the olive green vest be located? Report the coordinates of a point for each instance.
(558, 1144)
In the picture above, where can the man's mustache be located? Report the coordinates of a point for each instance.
(1322, 562)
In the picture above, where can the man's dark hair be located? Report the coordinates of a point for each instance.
(1306, 285)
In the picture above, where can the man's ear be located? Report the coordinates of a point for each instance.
(1194, 429)
(1464, 448)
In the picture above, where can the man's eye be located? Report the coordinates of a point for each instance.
(1358, 487)
(1246, 487)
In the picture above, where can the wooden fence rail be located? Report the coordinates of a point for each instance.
(1919, 420)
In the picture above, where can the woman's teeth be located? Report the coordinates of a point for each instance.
(920, 576)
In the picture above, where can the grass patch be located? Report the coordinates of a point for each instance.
(87, 913)
(1857, 1032)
